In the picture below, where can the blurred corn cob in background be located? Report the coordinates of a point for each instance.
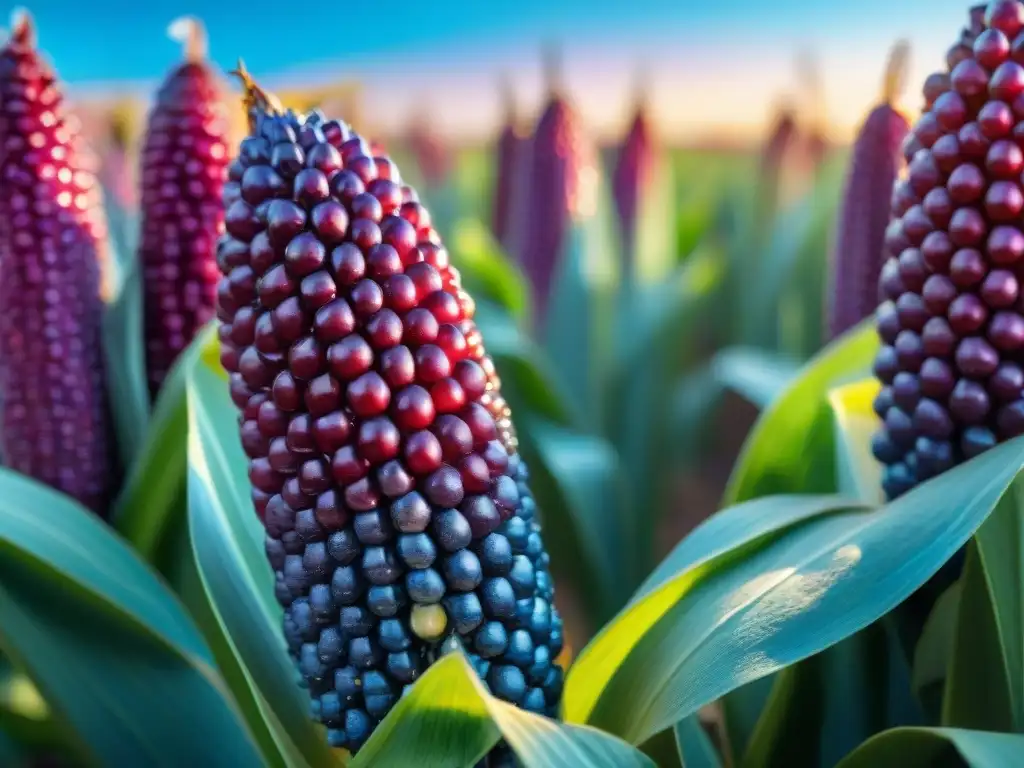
(509, 170)
(631, 177)
(184, 157)
(56, 423)
(561, 168)
(859, 248)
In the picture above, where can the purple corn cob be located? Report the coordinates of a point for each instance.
(509, 151)
(183, 171)
(56, 423)
(859, 249)
(383, 458)
(631, 176)
(559, 158)
(951, 362)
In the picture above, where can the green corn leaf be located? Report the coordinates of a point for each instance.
(691, 410)
(227, 544)
(448, 720)
(985, 684)
(577, 482)
(703, 633)
(695, 747)
(651, 353)
(933, 651)
(487, 274)
(154, 491)
(790, 448)
(579, 326)
(719, 540)
(824, 706)
(927, 747)
(757, 376)
(125, 360)
(529, 380)
(763, 282)
(654, 243)
(135, 683)
(858, 473)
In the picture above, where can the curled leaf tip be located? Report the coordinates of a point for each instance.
(896, 71)
(23, 28)
(190, 32)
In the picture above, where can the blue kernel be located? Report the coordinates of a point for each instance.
(505, 493)
(523, 613)
(363, 653)
(465, 611)
(343, 546)
(534, 545)
(393, 636)
(541, 666)
(521, 577)
(379, 706)
(410, 513)
(302, 616)
(520, 648)
(380, 566)
(336, 738)
(307, 527)
(309, 663)
(356, 621)
(495, 554)
(553, 685)
(357, 726)
(275, 552)
(491, 640)
(316, 561)
(292, 543)
(416, 550)
(282, 594)
(348, 684)
(498, 599)
(527, 506)
(322, 602)
(540, 622)
(386, 600)
(534, 701)
(346, 585)
(517, 531)
(507, 682)
(481, 513)
(463, 571)
(544, 585)
(375, 684)
(424, 586)
(330, 647)
(372, 527)
(330, 708)
(295, 575)
(403, 667)
(452, 530)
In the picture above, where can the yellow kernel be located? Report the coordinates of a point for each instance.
(428, 621)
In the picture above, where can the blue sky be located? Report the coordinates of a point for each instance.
(734, 58)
